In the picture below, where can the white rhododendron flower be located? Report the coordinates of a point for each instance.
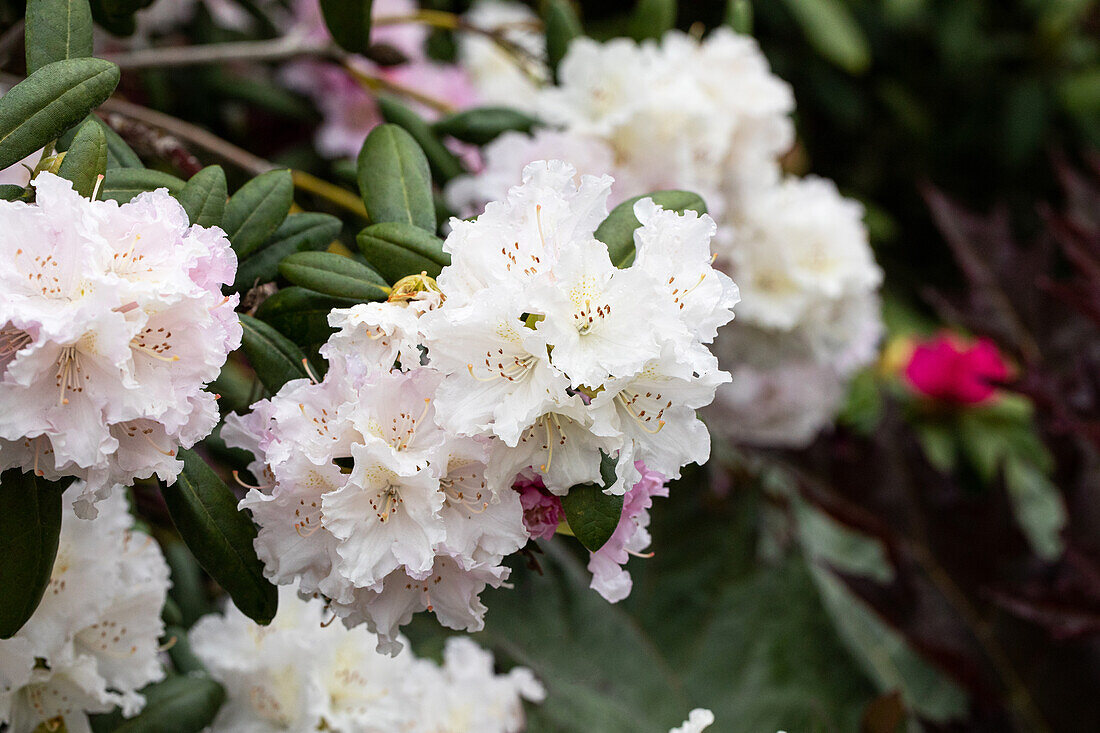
(112, 323)
(801, 256)
(390, 487)
(698, 720)
(303, 674)
(92, 643)
(708, 116)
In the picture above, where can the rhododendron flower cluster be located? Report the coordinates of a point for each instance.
(92, 643)
(301, 674)
(112, 322)
(708, 116)
(387, 487)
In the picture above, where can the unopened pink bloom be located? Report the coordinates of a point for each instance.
(542, 511)
(609, 578)
(948, 370)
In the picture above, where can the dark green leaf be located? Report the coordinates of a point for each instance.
(257, 209)
(739, 16)
(179, 704)
(51, 100)
(119, 154)
(333, 274)
(394, 178)
(10, 191)
(301, 314)
(57, 30)
(651, 18)
(187, 591)
(86, 159)
(117, 16)
(443, 163)
(831, 29)
(204, 196)
(273, 356)
(562, 26)
(593, 515)
(298, 233)
(349, 23)
(617, 230)
(122, 184)
(220, 536)
(395, 250)
(482, 124)
(30, 524)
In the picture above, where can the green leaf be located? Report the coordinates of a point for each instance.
(187, 589)
(273, 356)
(593, 515)
(442, 162)
(57, 30)
(831, 29)
(38, 109)
(220, 536)
(86, 159)
(617, 230)
(122, 184)
(179, 704)
(298, 233)
(349, 23)
(30, 524)
(119, 154)
(482, 125)
(395, 250)
(10, 191)
(333, 274)
(394, 178)
(739, 16)
(257, 209)
(651, 18)
(1038, 506)
(204, 196)
(562, 26)
(301, 314)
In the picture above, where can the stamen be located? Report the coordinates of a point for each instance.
(237, 478)
(309, 372)
(95, 189)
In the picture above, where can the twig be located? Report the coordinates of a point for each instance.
(376, 84)
(216, 53)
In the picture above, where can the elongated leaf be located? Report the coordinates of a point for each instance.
(617, 230)
(274, 357)
(51, 100)
(562, 26)
(183, 658)
(443, 163)
(257, 209)
(739, 16)
(117, 16)
(301, 314)
(831, 29)
(394, 178)
(298, 233)
(119, 154)
(592, 514)
(349, 23)
(651, 18)
(30, 524)
(204, 196)
(86, 159)
(187, 592)
(220, 536)
(333, 274)
(10, 191)
(179, 704)
(481, 125)
(122, 184)
(57, 30)
(396, 250)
